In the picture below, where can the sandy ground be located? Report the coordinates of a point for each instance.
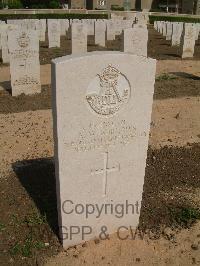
(180, 251)
(175, 122)
(163, 66)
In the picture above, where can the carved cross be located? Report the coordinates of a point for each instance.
(105, 171)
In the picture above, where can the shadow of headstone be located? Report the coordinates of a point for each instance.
(185, 75)
(6, 85)
(38, 178)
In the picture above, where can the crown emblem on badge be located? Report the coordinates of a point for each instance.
(110, 73)
(108, 91)
(23, 40)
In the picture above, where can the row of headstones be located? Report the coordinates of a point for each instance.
(102, 29)
(102, 106)
(180, 34)
(21, 46)
(80, 29)
(102, 111)
(134, 40)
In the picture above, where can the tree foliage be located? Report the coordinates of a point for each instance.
(41, 4)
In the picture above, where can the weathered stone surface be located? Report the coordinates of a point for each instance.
(79, 38)
(169, 31)
(24, 61)
(100, 32)
(110, 33)
(54, 31)
(1, 24)
(188, 40)
(135, 40)
(42, 25)
(4, 29)
(102, 113)
(177, 30)
(64, 24)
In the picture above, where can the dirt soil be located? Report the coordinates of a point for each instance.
(171, 198)
(161, 49)
(171, 86)
(28, 224)
(28, 217)
(158, 48)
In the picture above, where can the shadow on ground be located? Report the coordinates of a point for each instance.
(6, 85)
(185, 75)
(38, 178)
(168, 170)
(29, 194)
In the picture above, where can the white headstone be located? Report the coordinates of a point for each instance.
(1, 23)
(32, 24)
(164, 28)
(160, 27)
(102, 112)
(24, 61)
(64, 23)
(42, 24)
(126, 24)
(169, 31)
(141, 18)
(4, 41)
(90, 26)
(177, 30)
(188, 40)
(79, 38)
(135, 40)
(110, 33)
(197, 26)
(118, 26)
(100, 32)
(54, 32)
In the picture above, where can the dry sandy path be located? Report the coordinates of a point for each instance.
(131, 252)
(163, 66)
(28, 135)
(176, 122)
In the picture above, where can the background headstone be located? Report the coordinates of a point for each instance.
(177, 30)
(169, 31)
(42, 24)
(54, 32)
(110, 30)
(135, 40)
(188, 40)
(79, 38)
(100, 32)
(64, 24)
(24, 61)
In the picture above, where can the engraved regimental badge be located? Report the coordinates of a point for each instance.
(108, 92)
(23, 40)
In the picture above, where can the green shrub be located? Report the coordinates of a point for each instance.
(54, 4)
(53, 16)
(153, 18)
(15, 4)
(39, 6)
(186, 216)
